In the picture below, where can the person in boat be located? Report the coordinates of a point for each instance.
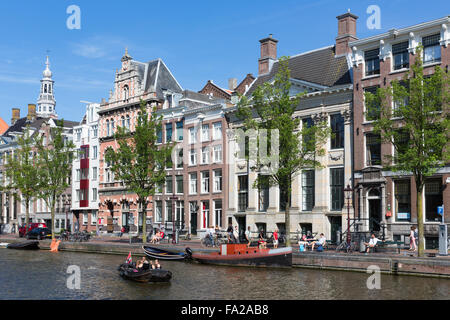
(236, 234)
(140, 263)
(157, 265)
(248, 237)
(230, 233)
(212, 235)
(261, 241)
(275, 238)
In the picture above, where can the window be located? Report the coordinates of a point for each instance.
(401, 97)
(108, 128)
(401, 140)
(217, 130)
(337, 129)
(192, 157)
(433, 199)
(205, 155)
(205, 182)
(263, 194)
(179, 184)
(431, 49)
(205, 214)
(179, 212)
(93, 218)
(373, 149)
(180, 131)
(168, 132)
(168, 211)
(180, 158)
(78, 175)
(169, 184)
(158, 211)
(78, 133)
(242, 193)
(169, 100)
(401, 55)
(218, 212)
(337, 188)
(308, 178)
(126, 92)
(372, 62)
(85, 219)
(402, 200)
(192, 135)
(95, 131)
(94, 194)
(94, 152)
(94, 173)
(205, 132)
(85, 174)
(217, 153)
(372, 104)
(218, 180)
(193, 183)
(112, 126)
(308, 138)
(123, 122)
(159, 136)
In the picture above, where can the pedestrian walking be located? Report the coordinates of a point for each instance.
(412, 239)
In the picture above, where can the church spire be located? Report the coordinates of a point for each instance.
(46, 101)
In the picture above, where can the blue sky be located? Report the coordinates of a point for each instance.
(198, 40)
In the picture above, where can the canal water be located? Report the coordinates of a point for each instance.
(43, 275)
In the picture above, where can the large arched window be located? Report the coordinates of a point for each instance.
(108, 129)
(126, 92)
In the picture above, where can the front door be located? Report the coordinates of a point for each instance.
(194, 222)
(336, 225)
(374, 214)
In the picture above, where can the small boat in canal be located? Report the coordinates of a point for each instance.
(157, 253)
(28, 245)
(241, 255)
(128, 271)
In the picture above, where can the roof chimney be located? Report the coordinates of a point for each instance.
(232, 84)
(15, 115)
(31, 112)
(268, 54)
(346, 32)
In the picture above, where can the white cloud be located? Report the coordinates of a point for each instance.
(89, 51)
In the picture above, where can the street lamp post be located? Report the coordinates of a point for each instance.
(348, 196)
(174, 240)
(67, 203)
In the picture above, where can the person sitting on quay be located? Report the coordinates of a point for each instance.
(372, 242)
(155, 237)
(309, 240)
(321, 242)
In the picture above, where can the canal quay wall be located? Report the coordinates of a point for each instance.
(387, 263)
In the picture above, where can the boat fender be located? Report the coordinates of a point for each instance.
(189, 251)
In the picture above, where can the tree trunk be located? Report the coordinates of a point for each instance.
(53, 217)
(144, 222)
(419, 208)
(288, 220)
(27, 214)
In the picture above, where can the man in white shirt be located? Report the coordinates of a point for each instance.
(372, 242)
(248, 235)
(321, 242)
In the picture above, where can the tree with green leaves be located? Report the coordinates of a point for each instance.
(54, 164)
(271, 109)
(21, 171)
(138, 161)
(413, 116)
